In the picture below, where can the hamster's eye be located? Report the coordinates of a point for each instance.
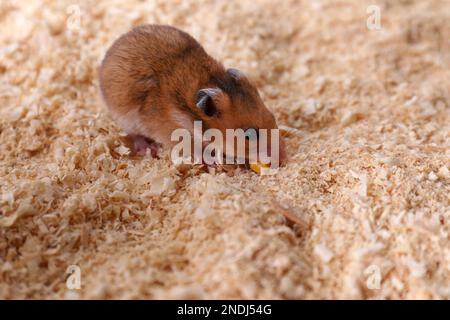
(251, 134)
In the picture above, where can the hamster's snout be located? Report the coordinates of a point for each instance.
(282, 155)
(282, 152)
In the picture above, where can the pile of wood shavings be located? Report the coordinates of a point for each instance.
(366, 115)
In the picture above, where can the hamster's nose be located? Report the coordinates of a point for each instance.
(283, 154)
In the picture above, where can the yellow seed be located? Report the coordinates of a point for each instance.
(257, 166)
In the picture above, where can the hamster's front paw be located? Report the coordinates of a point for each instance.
(141, 144)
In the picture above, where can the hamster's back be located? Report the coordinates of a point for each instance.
(143, 59)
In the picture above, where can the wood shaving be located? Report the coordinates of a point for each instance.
(291, 215)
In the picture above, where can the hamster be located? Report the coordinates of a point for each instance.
(155, 79)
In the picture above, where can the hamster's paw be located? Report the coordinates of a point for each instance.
(141, 144)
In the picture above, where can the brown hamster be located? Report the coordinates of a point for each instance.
(155, 79)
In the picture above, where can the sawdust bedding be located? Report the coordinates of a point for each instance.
(361, 210)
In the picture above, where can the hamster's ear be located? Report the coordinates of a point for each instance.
(207, 100)
(236, 74)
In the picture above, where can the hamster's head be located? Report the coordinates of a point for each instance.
(233, 102)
